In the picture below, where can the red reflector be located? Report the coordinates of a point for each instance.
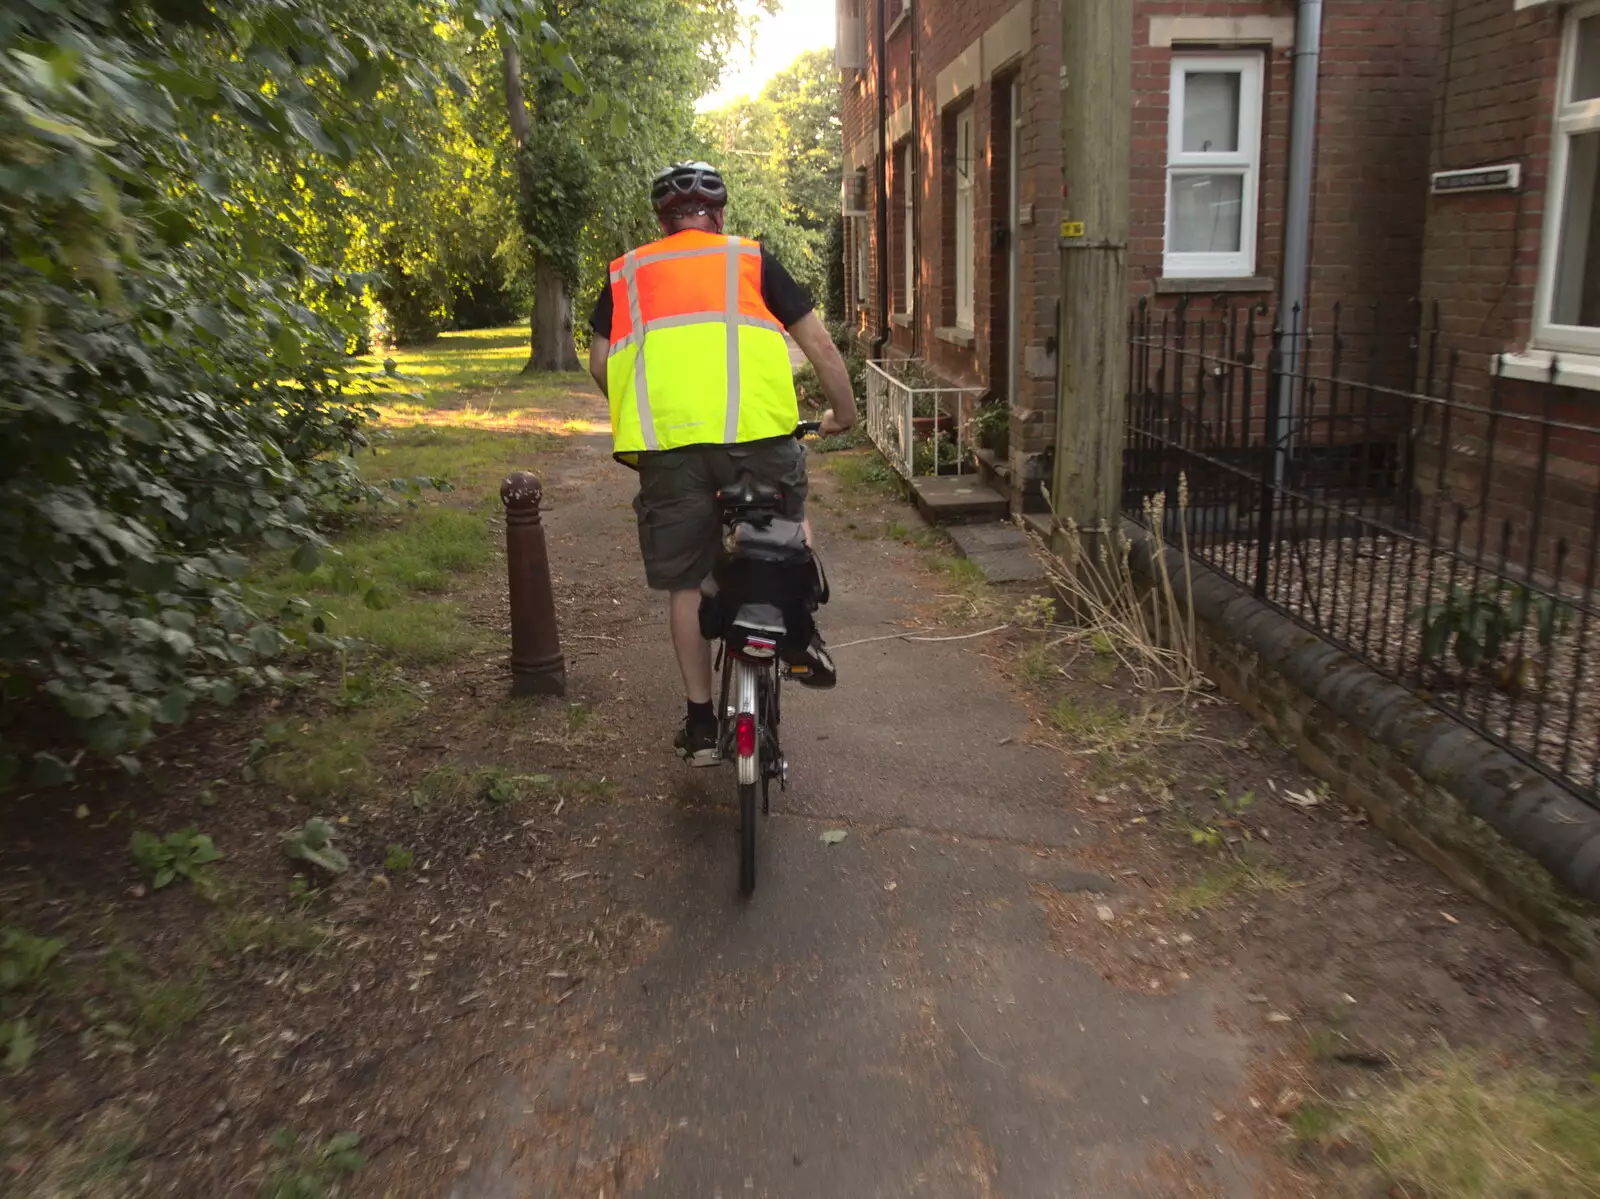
(745, 735)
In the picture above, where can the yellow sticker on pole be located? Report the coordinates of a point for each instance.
(1071, 228)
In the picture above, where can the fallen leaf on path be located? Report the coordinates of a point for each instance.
(833, 836)
(1302, 799)
(1105, 913)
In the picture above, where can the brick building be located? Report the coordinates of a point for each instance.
(972, 133)
(1511, 258)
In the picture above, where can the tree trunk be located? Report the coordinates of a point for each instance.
(551, 325)
(516, 106)
(553, 348)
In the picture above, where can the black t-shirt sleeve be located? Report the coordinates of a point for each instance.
(604, 309)
(788, 300)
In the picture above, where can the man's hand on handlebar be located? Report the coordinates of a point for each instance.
(832, 426)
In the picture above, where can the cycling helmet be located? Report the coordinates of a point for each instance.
(688, 183)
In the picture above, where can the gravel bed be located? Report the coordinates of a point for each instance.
(1366, 594)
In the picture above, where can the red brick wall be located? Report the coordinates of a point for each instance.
(943, 30)
(1496, 104)
(1380, 63)
(1379, 67)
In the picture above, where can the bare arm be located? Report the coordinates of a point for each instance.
(599, 351)
(812, 337)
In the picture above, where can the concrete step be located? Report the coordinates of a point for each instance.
(957, 499)
(991, 466)
(998, 473)
(1001, 550)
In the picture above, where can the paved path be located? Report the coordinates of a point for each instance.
(888, 1016)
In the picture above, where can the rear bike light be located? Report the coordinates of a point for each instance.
(745, 735)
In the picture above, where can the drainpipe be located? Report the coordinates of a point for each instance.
(1297, 213)
(918, 181)
(882, 339)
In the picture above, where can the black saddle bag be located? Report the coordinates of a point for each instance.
(768, 566)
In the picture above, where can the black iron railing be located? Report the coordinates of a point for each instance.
(1424, 510)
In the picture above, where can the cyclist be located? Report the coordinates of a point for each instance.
(688, 348)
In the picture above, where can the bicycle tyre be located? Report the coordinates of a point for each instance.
(747, 838)
(771, 761)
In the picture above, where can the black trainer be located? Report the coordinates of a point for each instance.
(811, 666)
(697, 743)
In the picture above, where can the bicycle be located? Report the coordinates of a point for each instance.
(766, 584)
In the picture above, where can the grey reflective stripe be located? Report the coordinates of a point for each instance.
(641, 388)
(702, 252)
(685, 319)
(730, 431)
(681, 320)
(706, 318)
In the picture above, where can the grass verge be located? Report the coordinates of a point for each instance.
(414, 558)
(472, 360)
(471, 459)
(334, 755)
(1462, 1129)
(863, 471)
(96, 1162)
(1226, 881)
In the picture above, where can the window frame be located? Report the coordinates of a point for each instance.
(1568, 121)
(965, 266)
(908, 246)
(863, 264)
(1250, 65)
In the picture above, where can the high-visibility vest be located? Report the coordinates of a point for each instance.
(696, 358)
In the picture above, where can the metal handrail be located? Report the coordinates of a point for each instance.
(892, 415)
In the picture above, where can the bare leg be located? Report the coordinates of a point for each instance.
(694, 652)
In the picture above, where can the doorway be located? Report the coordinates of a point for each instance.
(1013, 371)
(1005, 258)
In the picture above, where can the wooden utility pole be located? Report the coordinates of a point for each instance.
(1096, 135)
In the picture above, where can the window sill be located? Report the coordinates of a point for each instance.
(901, 320)
(1533, 366)
(956, 336)
(1181, 286)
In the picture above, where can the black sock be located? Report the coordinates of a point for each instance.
(701, 714)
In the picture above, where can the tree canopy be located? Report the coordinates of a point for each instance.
(780, 152)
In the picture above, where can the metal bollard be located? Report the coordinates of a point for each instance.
(537, 667)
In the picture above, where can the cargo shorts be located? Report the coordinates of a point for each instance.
(679, 529)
